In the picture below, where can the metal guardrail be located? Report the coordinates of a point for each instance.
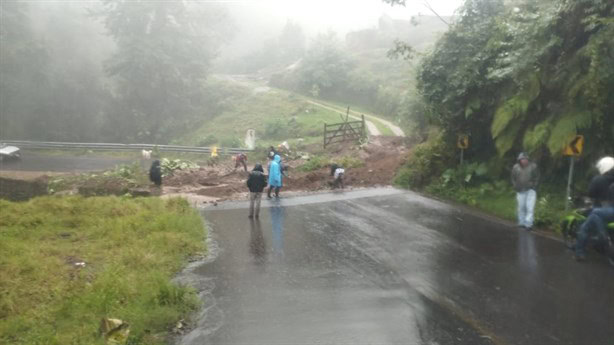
(118, 147)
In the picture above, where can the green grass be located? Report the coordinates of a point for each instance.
(131, 247)
(117, 181)
(500, 200)
(276, 116)
(321, 161)
(384, 130)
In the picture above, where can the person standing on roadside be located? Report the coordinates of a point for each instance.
(525, 177)
(155, 173)
(275, 176)
(256, 182)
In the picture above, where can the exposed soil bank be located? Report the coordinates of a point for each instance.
(22, 189)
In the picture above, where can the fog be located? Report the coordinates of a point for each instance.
(143, 71)
(257, 21)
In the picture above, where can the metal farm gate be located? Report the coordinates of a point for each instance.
(345, 131)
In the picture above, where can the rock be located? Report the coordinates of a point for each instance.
(179, 327)
(115, 331)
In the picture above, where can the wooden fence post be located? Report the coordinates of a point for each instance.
(325, 135)
(364, 128)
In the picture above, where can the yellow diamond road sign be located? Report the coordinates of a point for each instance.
(574, 146)
(463, 141)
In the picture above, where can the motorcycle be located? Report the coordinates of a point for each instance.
(571, 225)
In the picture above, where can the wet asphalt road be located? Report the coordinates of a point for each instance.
(31, 161)
(391, 267)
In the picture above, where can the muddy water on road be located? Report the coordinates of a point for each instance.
(391, 269)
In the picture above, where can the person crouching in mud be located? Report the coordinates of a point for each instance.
(256, 182)
(241, 159)
(337, 172)
(275, 179)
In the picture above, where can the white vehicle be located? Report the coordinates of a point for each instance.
(9, 152)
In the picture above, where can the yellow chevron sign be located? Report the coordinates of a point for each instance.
(575, 146)
(463, 142)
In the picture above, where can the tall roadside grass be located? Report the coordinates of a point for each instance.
(131, 249)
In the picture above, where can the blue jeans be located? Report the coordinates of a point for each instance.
(526, 205)
(596, 222)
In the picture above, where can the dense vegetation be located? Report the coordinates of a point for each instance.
(356, 70)
(516, 76)
(524, 76)
(131, 249)
(275, 114)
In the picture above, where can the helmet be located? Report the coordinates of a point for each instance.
(605, 164)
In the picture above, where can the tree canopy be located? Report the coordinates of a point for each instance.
(525, 75)
(162, 58)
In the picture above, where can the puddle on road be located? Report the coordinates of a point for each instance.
(310, 199)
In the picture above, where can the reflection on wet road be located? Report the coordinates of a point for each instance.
(392, 269)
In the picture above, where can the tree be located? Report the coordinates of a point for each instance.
(23, 71)
(163, 56)
(325, 66)
(527, 75)
(291, 43)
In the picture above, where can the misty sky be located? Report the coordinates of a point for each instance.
(342, 15)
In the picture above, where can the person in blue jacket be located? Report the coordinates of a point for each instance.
(275, 176)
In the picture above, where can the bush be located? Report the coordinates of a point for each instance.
(169, 166)
(319, 162)
(314, 163)
(275, 128)
(231, 142)
(349, 162)
(465, 174)
(208, 140)
(427, 161)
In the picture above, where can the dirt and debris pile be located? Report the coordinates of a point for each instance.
(376, 165)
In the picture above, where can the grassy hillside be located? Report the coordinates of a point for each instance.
(276, 115)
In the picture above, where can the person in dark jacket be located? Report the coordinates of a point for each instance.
(155, 173)
(256, 182)
(601, 190)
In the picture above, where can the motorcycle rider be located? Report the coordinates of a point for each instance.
(601, 190)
